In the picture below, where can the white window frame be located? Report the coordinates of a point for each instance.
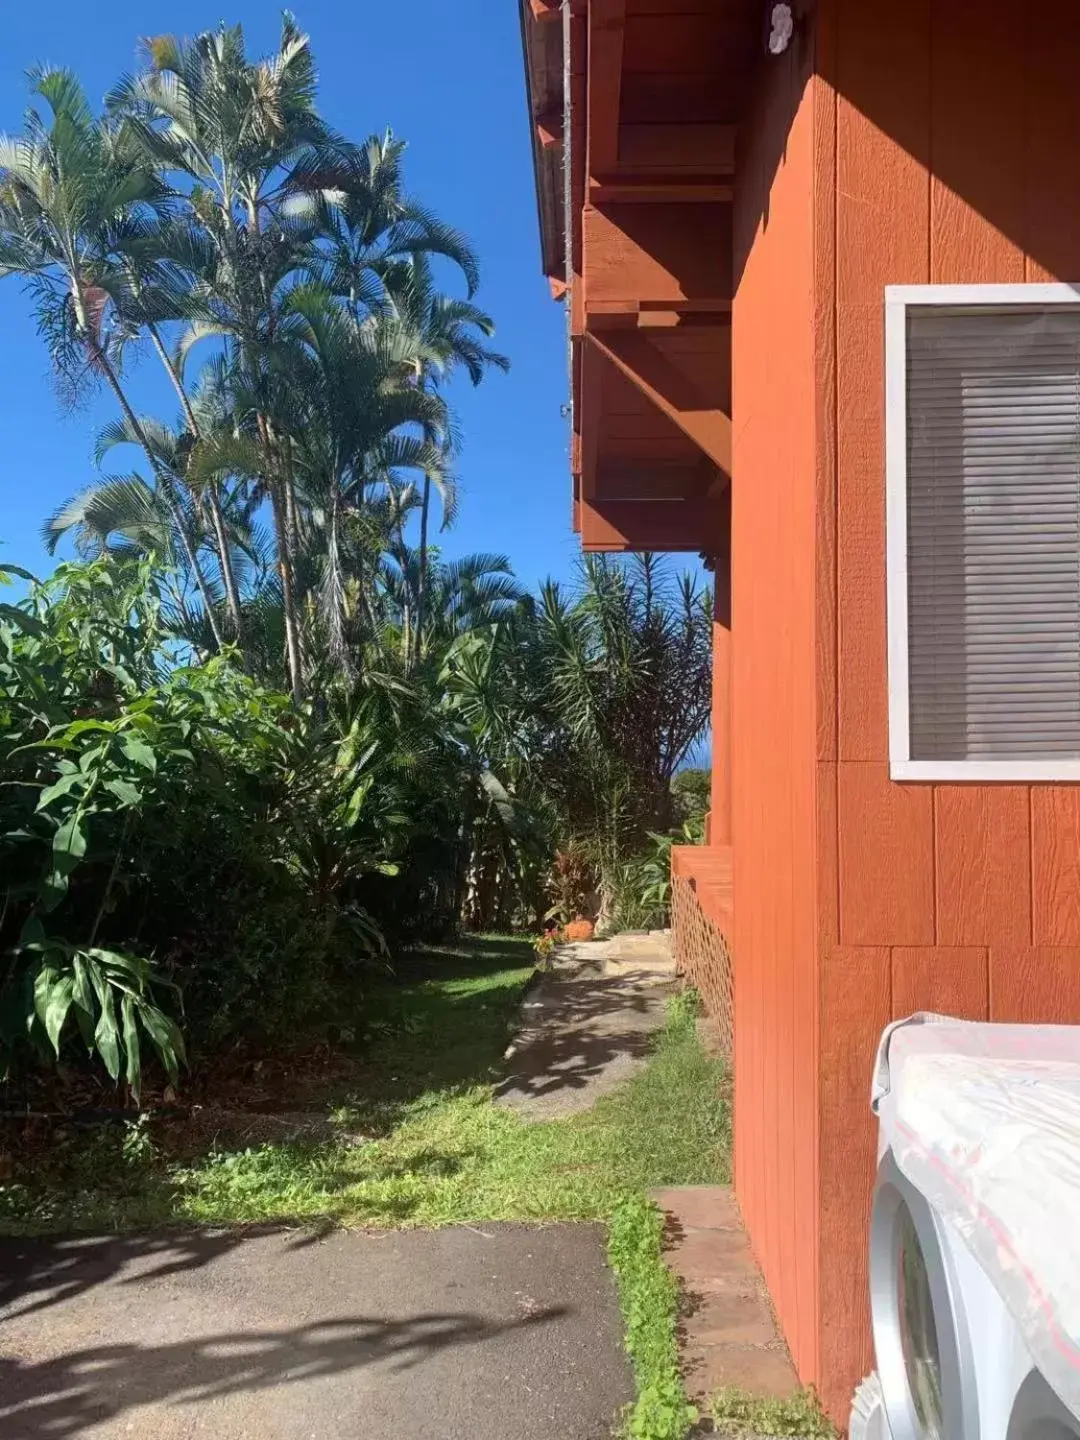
(898, 300)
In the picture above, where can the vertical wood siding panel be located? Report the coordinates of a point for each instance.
(1052, 161)
(882, 238)
(825, 361)
(1035, 986)
(978, 205)
(886, 853)
(1044, 985)
(1055, 841)
(828, 869)
(983, 853)
(949, 982)
(774, 703)
(978, 142)
(855, 1008)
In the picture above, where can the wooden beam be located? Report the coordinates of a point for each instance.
(677, 149)
(647, 189)
(606, 20)
(670, 389)
(544, 9)
(621, 481)
(646, 315)
(657, 256)
(657, 525)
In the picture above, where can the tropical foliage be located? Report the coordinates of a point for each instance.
(261, 732)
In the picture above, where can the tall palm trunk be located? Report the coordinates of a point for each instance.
(335, 581)
(282, 509)
(400, 550)
(164, 482)
(225, 560)
(422, 578)
(293, 659)
(425, 513)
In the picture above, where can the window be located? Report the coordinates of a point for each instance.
(983, 528)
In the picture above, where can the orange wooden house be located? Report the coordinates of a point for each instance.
(817, 261)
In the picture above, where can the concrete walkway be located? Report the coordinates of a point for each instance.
(484, 1332)
(586, 1026)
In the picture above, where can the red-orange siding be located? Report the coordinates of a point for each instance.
(954, 156)
(773, 698)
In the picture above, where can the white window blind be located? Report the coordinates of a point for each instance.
(991, 562)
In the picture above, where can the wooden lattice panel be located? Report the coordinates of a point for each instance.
(702, 955)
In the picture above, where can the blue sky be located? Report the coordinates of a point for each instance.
(448, 78)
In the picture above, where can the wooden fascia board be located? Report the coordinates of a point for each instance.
(606, 22)
(535, 20)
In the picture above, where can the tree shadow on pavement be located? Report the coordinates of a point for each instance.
(53, 1398)
(36, 1274)
(579, 1034)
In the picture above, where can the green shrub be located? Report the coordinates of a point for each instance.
(168, 830)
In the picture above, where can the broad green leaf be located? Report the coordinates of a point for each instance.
(63, 786)
(82, 991)
(69, 844)
(124, 791)
(131, 1045)
(44, 982)
(56, 1010)
(85, 1021)
(7, 571)
(82, 727)
(165, 1033)
(30, 624)
(106, 1035)
(116, 960)
(140, 753)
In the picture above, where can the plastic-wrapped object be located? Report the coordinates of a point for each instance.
(868, 1418)
(985, 1122)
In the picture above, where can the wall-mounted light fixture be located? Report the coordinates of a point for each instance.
(781, 28)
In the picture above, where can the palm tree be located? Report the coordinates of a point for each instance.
(162, 269)
(626, 664)
(370, 224)
(353, 424)
(449, 333)
(120, 515)
(234, 129)
(70, 200)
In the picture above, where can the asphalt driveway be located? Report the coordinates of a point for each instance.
(492, 1332)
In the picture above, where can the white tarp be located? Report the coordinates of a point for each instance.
(986, 1120)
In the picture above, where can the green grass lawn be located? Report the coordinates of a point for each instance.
(416, 1139)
